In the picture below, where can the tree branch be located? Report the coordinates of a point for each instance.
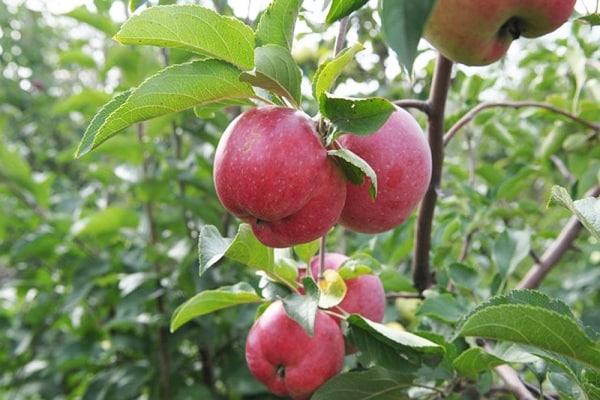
(556, 250)
(468, 117)
(421, 273)
(423, 106)
(513, 383)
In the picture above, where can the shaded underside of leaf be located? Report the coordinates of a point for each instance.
(194, 28)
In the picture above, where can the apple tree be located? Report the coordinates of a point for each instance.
(407, 209)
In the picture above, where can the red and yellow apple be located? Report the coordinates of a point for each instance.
(400, 156)
(282, 356)
(476, 32)
(272, 170)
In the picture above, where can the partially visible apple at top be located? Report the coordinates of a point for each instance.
(479, 32)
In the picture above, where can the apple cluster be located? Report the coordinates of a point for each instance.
(273, 171)
(288, 361)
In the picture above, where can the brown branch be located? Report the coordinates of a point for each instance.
(468, 117)
(421, 272)
(513, 383)
(423, 106)
(556, 250)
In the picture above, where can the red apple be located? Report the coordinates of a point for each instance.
(364, 294)
(282, 356)
(476, 32)
(272, 171)
(400, 156)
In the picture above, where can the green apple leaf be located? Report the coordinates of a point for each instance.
(593, 19)
(328, 72)
(106, 221)
(510, 248)
(193, 28)
(531, 318)
(303, 308)
(342, 8)
(357, 265)
(100, 22)
(358, 116)
(402, 24)
(444, 308)
(306, 251)
(276, 71)
(277, 23)
(475, 360)
(211, 247)
(355, 169)
(391, 348)
(209, 301)
(376, 383)
(175, 88)
(135, 4)
(587, 210)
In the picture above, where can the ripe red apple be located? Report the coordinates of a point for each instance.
(364, 294)
(400, 156)
(282, 356)
(475, 32)
(272, 171)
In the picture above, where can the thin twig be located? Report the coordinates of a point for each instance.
(341, 36)
(421, 105)
(556, 250)
(513, 383)
(421, 270)
(468, 117)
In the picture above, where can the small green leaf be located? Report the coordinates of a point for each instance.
(375, 383)
(510, 249)
(171, 90)
(106, 221)
(403, 23)
(389, 347)
(212, 300)
(328, 72)
(303, 308)
(276, 71)
(193, 28)
(475, 360)
(342, 8)
(592, 19)
(211, 247)
(357, 116)
(536, 324)
(96, 20)
(333, 289)
(357, 265)
(306, 251)
(587, 210)
(355, 169)
(444, 308)
(135, 4)
(277, 24)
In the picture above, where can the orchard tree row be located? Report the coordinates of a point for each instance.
(382, 243)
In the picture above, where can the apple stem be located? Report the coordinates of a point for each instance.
(421, 271)
(341, 36)
(322, 251)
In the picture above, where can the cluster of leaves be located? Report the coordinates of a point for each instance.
(98, 256)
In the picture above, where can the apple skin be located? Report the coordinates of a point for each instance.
(272, 171)
(364, 294)
(401, 158)
(476, 32)
(281, 355)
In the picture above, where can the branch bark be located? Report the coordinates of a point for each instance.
(468, 117)
(421, 272)
(556, 250)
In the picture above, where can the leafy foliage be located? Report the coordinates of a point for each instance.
(101, 257)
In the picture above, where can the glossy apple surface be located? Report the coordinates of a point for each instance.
(400, 156)
(476, 32)
(272, 171)
(286, 360)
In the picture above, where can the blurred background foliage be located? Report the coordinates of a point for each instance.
(96, 253)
